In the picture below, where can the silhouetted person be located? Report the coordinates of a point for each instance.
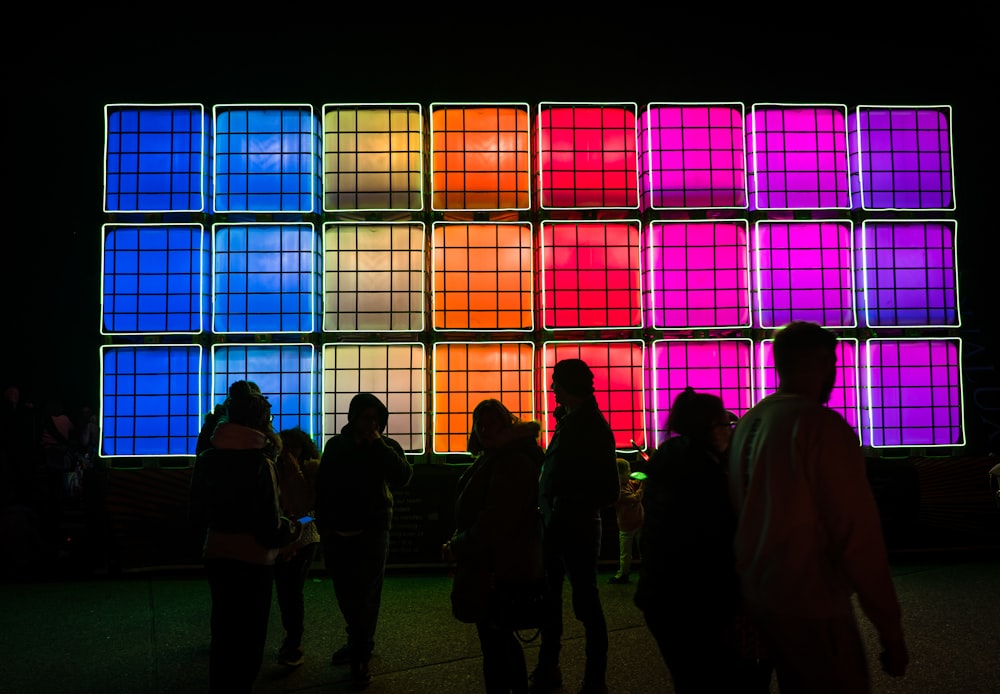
(629, 515)
(808, 534)
(579, 478)
(360, 467)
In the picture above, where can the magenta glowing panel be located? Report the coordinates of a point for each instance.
(618, 367)
(718, 367)
(901, 158)
(466, 373)
(907, 274)
(587, 156)
(692, 156)
(913, 392)
(846, 395)
(804, 271)
(590, 275)
(799, 157)
(697, 274)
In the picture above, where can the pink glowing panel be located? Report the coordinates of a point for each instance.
(901, 158)
(803, 271)
(587, 156)
(482, 276)
(590, 275)
(907, 273)
(913, 392)
(718, 367)
(465, 373)
(798, 157)
(697, 275)
(374, 277)
(692, 156)
(845, 399)
(618, 367)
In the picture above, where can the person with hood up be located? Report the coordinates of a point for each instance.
(234, 496)
(358, 471)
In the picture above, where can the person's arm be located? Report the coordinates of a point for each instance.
(273, 529)
(396, 469)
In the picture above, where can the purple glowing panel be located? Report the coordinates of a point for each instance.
(692, 156)
(901, 158)
(718, 367)
(907, 274)
(803, 271)
(799, 157)
(913, 392)
(697, 275)
(846, 395)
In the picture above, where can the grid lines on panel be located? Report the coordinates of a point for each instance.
(698, 274)
(153, 279)
(590, 275)
(266, 278)
(374, 277)
(373, 157)
(587, 156)
(480, 157)
(913, 392)
(466, 373)
(393, 372)
(799, 157)
(150, 400)
(267, 159)
(692, 156)
(804, 272)
(908, 273)
(482, 276)
(155, 158)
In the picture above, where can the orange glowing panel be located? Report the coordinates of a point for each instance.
(479, 157)
(482, 276)
(465, 373)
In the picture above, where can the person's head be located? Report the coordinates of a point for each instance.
(299, 444)
(805, 357)
(490, 421)
(12, 394)
(367, 414)
(702, 418)
(248, 407)
(572, 383)
(624, 469)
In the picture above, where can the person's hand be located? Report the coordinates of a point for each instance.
(447, 554)
(894, 658)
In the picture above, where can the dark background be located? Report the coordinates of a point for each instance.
(59, 77)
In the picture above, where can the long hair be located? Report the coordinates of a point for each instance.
(475, 446)
(695, 414)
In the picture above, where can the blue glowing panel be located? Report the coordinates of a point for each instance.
(154, 279)
(156, 158)
(288, 375)
(150, 399)
(267, 159)
(266, 278)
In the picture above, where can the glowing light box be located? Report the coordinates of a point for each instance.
(480, 157)
(482, 276)
(697, 274)
(692, 156)
(394, 372)
(901, 158)
(804, 271)
(799, 157)
(151, 399)
(618, 367)
(590, 275)
(718, 367)
(374, 275)
(913, 392)
(846, 395)
(154, 279)
(373, 157)
(267, 158)
(266, 278)
(908, 273)
(466, 373)
(156, 158)
(587, 156)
